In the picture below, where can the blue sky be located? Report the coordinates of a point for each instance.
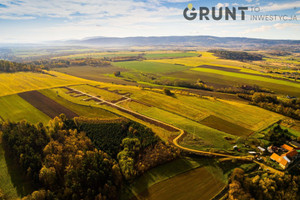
(46, 20)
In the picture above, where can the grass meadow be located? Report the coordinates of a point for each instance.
(14, 108)
(150, 67)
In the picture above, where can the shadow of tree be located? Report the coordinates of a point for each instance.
(20, 181)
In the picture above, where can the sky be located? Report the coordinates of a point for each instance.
(34, 21)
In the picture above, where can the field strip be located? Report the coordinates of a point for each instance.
(235, 70)
(46, 105)
(163, 125)
(182, 133)
(249, 76)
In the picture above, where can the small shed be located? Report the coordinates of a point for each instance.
(261, 149)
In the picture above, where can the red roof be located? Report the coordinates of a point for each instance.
(287, 147)
(279, 159)
(292, 153)
(275, 157)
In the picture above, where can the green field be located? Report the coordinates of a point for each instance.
(208, 137)
(173, 173)
(95, 73)
(99, 55)
(95, 91)
(14, 108)
(150, 67)
(82, 110)
(241, 119)
(197, 109)
(201, 186)
(225, 126)
(208, 58)
(251, 77)
(169, 55)
(91, 109)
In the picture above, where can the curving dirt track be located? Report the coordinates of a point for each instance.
(179, 137)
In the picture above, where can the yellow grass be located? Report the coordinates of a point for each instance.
(209, 59)
(12, 83)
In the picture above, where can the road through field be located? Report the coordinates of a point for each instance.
(161, 124)
(173, 128)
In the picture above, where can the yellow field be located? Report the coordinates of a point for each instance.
(12, 83)
(209, 59)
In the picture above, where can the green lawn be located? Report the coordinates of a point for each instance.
(150, 67)
(14, 108)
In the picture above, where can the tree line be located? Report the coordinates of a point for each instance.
(262, 186)
(7, 66)
(236, 55)
(284, 106)
(59, 63)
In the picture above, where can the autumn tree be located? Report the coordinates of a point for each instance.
(127, 157)
(26, 142)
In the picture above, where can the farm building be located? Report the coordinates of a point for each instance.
(261, 149)
(281, 160)
(285, 159)
(287, 147)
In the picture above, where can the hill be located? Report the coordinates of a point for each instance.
(205, 41)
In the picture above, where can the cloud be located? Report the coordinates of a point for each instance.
(77, 8)
(15, 17)
(177, 1)
(219, 5)
(283, 6)
(277, 26)
(284, 25)
(249, 1)
(263, 28)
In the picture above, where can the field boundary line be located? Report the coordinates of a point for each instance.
(182, 133)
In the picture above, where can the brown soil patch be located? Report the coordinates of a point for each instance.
(46, 105)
